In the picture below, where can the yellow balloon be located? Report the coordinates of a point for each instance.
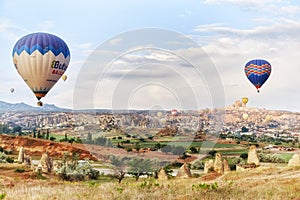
(268, 118)
(245, 100)
(64, 77)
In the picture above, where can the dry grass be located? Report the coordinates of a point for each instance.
(261, 183)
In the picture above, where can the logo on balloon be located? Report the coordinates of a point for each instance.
(59, 68)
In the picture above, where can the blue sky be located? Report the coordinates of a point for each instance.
(231, 32)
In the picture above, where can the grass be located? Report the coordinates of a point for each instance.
(286, 156)
(260, 183)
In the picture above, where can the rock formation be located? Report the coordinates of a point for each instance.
(162, 175)
(295, 160)
(208, 165)
(252, 156)
(184, 172)
(46, 164)
(218, 165)
(226, 166)
(21, 155)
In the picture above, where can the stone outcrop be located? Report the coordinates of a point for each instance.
(246, 167)
(21, 155)
(295, 160)
(162, 175)
(184, 172)
(208, 166)
(45, 164)
(226, 166)
(252, 156)
(218, 165)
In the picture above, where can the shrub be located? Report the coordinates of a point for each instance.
(199, 164)
(205, 186)
(9, 159)
(235, 161)
(20, 170)
(178, 150)
(74, 172)
(273, 158)
(244, 155)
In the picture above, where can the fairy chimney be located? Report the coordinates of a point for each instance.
(252, 156)
(21, 155)
(218, 165)
(46, 163)
(162, 175)
(295, 160)
(184, 172)
(226, 166)
(208, 165)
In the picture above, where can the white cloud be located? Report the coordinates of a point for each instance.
(290, 10)
(241, 2)
(115, 41)
(10, 30)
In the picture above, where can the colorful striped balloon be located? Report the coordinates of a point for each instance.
(258, 72)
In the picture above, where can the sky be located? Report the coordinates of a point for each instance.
(159, 54)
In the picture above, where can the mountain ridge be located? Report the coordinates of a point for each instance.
(22, 107)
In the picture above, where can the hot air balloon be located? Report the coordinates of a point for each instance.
(64, 77)
(245, 100)
(245, 116)
(258, 71)
(174, 112)
(41, 59)
(12, 90)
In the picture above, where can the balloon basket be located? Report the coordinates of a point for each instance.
(39, 103)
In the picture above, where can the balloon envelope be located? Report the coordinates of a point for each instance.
(12, 90)
(245, 116)
(245, 100)
(64, 77)
(41, 59)
(258, 71)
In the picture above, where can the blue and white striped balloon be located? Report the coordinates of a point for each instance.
(41, 59)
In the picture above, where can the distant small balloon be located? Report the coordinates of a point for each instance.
(245, 100)
(268, 118)
(12, 90)
(245, 116)
(64, 77)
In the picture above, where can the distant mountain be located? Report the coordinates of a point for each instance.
(23, 107)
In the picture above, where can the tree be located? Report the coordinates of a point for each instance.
(34, 133)
(178, 150)
(244, 156)
(17, 129)
(166, 149)
(47, 134)
(119, 168)
(139, 167)
(194, 150)
(157, 146)
(137, 147)
(212, 153)
(39, 134)
(71, 140)
(66, 137)
(89, 139)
